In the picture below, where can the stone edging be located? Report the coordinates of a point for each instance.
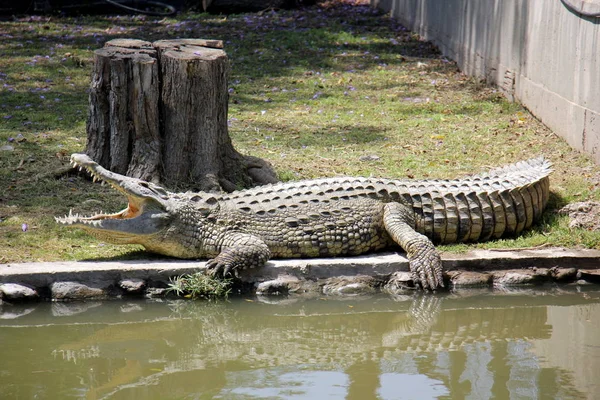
(81, 280)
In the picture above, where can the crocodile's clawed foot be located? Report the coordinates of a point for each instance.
(426, 270)
(427, 281)
(219, 269)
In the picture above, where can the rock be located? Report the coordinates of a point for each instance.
(74, 291)
(591, 276)
(469, 278)
(16, 292)
(132, 307)
(7, 147)
(133, 286)
(370, 157)
(351, 285)
(153, 292)
(583, 214)
(13, 312)
(520, 277)
(280, 285)
(66, 309)
(278, 300)
(563, 274)
(400, 282)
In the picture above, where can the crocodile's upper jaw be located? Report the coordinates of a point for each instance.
(146, 214)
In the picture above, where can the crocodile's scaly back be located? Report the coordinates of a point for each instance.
(502, 202)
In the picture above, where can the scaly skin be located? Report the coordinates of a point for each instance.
(322, 218)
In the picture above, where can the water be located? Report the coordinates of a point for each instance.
(474, 345)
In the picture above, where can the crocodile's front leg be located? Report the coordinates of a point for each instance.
(424, 260)
(238, 251)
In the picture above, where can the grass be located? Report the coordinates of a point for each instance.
(200, 286)
(334, 89)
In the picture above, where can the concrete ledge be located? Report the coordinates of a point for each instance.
(349, 275)
(478, 260)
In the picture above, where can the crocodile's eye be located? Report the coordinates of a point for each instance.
(156, 189)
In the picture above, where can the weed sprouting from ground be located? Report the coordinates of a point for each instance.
(200, 286)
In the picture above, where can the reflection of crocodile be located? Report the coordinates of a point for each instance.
(211, 340)
(322, 217)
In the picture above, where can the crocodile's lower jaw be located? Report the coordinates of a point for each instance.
(95, 220)
(144, 215)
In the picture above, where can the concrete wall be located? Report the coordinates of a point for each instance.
(539, 52)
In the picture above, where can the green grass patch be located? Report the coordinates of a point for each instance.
(313, 91)
(200, 286)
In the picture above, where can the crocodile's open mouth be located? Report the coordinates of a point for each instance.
(134, 205)
(145, 209)
(128, 213)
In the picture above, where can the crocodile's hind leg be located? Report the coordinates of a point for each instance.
(238, 251)
(424, 260)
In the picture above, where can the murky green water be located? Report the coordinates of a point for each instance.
(518, 345)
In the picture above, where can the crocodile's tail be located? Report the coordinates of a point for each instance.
(502, 202)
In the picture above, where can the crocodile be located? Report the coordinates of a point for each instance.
(324, 217)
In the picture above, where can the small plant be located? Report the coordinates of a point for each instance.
(200, 286)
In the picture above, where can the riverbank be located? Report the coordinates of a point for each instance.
(349, 276)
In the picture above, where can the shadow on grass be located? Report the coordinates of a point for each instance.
(139, 254)
(335, 134)
(326, 49)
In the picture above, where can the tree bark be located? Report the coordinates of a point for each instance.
(158, 112)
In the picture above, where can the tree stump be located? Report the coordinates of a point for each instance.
(158, 112)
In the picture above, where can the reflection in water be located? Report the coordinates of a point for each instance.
(485, 345)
